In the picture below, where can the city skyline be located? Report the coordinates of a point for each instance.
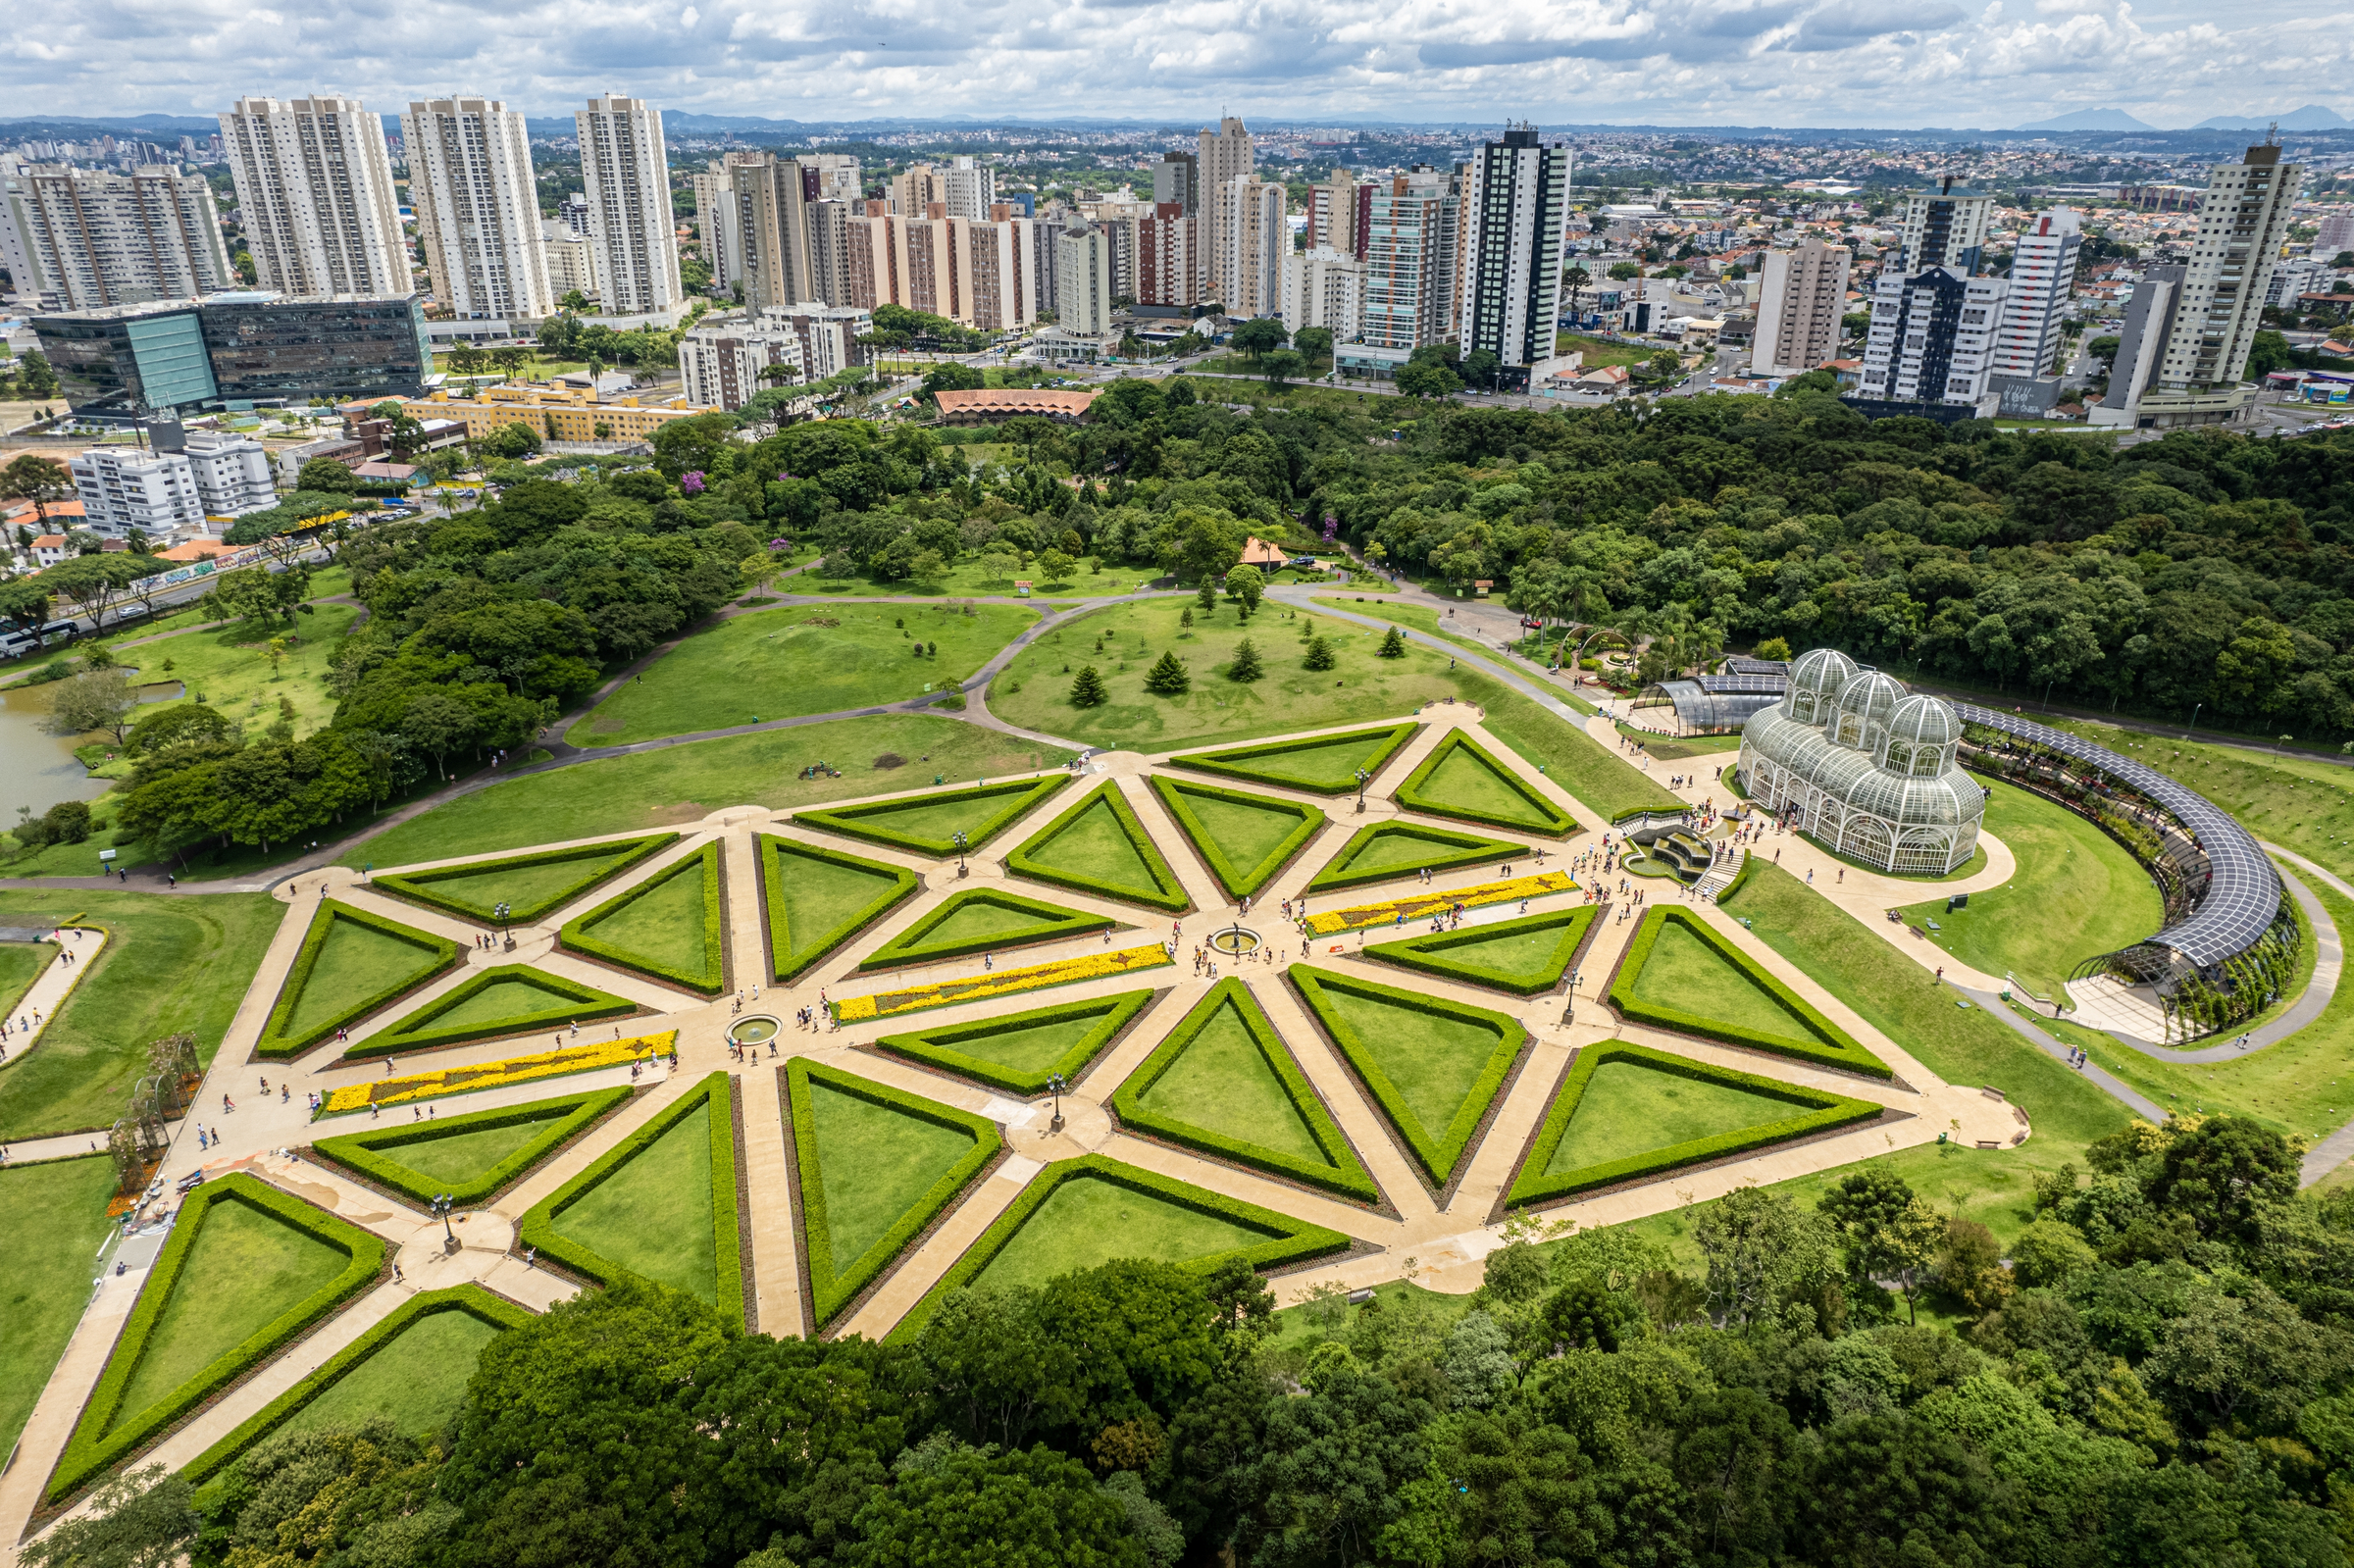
(1798, 64)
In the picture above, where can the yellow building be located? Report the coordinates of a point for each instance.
(553, 413)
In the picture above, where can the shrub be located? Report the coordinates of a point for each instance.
(1429, 954)
(418, 886)
(789, 958)
(1049, 922)
(1237, 880)
(365, 1154)
(276, 1042)
(98, 1442)
(1818, 1112)
(1251, 762)
(938, 1047)
(1014, 796)
(1170, 895)
(1825, 1042)
(1320, 654)
(568, 1000)
(831, 1291)
(1415, 796)
(712, 980)
(1169, 678)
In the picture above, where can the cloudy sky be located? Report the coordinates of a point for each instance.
(1974, 63)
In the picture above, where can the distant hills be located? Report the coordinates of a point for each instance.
(2313, 117)
(2091, 120)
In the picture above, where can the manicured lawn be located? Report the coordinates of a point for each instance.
(977, 920)
(2075, 895)
(1464, 781)
(968, 579)
(462, 1156)
(231, 667)
(663, 925)
(1631, 1110)
(1520, 954)
(1034, 690)
(21, 964)
(47, 1260)
(1086, 1221)
(174, 963)
(245, 1268)
(1566, 754)
(1685, 971)
(1434, 1061)
(653, 1215)
(1221, 1082)
(818, 897)
(355, 961)
(416, 1380)
(1032, 1047)
(875, 1163)
(523, 886)
(502, 998)
(1095, 846)
(781, 664)
(683, 783)
(1244, 832)
(1414, 617)
(1393, 849)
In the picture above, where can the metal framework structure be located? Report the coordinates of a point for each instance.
(1713, 704)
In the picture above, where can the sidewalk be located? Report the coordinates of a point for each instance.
(29, 1019)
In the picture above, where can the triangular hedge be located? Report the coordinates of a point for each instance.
(1015, 921)
(810, 898)
(529, 999)
(1332, 998)
(541, 882)
(1321, 765)
(543, 1126)
(1544, 944)
(866, 1157)
(292, 1030)
(926, 824)
(1388, 850)
(1240, 869)
(715, 1096)
(1767, 1014)
(1335, 1166)
(962, 1048)
(1809, 1111)
(1102, 819)
(603, 932)
(1477, 786)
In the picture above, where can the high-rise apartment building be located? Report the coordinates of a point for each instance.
(476, 203)
(571, 264)
(1515, 208)
(1257, 238)
(724, 364)
(1944, 227)
(1934, 322)
(1083, 281)
(315, 195)
(232, 470)
(928, 273)
(632, 230)
(1177, 178)
(1225, 157)
(997, 286)
(82, 239)
(915, 191)
(718, 219)
(838, 177)
(1168, 263)
(2043, 278)
(1800, 303)
(1046, 229)
(1411, 261)
(1340, 216)
(772, 229)
(829, 252)
(829, 335)
(1324, 287)
(872, 254)
(971, 190)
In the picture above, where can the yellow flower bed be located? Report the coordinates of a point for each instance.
(583, 1058)
(1425, 904)
(1063, 972)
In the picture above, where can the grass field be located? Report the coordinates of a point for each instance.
(463, 1156)
(1433, 1061)
(781, 664)
(653, 1215)
(1245, 834)
(1522, 954)
(1413, 617)
(47, 1259)
(2076, 893)
(881, 1161)
(664, 926)
(355, 961)
(523, 886)
(229, 669)
(968, 579)
(1685, 971)
(1220, 1083)
(1629, 1108)
(245, 1268)
(416, 1380)
(1464, 782)
(1567, 755)
(819, 897)
(1096, 846)
(685, 784)
(21, 964)
(1034, 690)
(1086, 1221)
(171, 964)
(1599, 353)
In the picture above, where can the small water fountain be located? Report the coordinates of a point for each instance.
(1236, 941)
(756, 1030)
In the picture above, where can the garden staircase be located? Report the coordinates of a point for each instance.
(1723, 866)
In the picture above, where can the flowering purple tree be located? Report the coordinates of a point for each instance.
(691, 483)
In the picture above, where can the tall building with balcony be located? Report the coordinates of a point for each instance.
(1411, 261)
(2043, 278)
(315, 193)
(1515, 209)
(970, 189)
(772, 231)
(1256, 240)
(476, 203)
(82, 239)
(1931, 350)
(1800, 303)
(633, 233)
(1226, 155)
(1083, 282)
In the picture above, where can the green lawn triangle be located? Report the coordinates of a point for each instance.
(352, 962)
(1325, 764)
(816, 899)
(1523, 956)
(1244, 839)
(981, 919)
(668, 926)
(1100, 847)
(1460, 777)
(1387, 850)
(531, 884)
(471, 1155)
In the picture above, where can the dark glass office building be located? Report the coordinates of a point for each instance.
(236, 348)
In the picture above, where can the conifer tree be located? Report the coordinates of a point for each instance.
(1086, 691)
(1319, 653)
(1246, 665)
(1393, 646)
(1169, 678)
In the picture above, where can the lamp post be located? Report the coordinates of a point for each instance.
(1364, 778)
(961, 843)
(1055, 1081)
(441, 1208)
(2194, 719)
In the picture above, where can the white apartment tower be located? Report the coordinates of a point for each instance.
(1515, 208)
(123, 488)
(1324, 287)
(1225, 157)
(1945, 228)
(1083, 282)
(726, 364)
(477, 208)
(84, 239)
(1799, 305)
(2043, 277)
(1934, 322)
(837, 176)
(315, 193)
(971, 190)
(632, 231)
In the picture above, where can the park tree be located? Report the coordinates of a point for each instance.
(1313, 343)
(437, 723)
(326, 474)
(30, 477)
(1087, 688)
(1392, 644)
(94, 700)
(1282, 364)
(1245, 585)
(1258, 336)
(1168, 677)
(1885, 1232)
(142, 1519)
(1320, 654)
(1246, 664)
(1427, 381)
(95, 584)
(1055, 566)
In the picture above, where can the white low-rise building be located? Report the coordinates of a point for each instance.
(1324, 287)
(123, 489)
(233, 473)
(724, 365)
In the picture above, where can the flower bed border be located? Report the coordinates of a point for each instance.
(278, 1047)
(1834, 1047)
(1470, 850)
(1232, 762)
(1827, 1112)
(396, 1040)
(658, 1044)
(1345, 1175)
(1171, 895)
(1172, 793)
(417, 886)
(772, 850)
(363, 1153)
(1558, 824)
(575, 937)
(987, 988)
(1424, 953)
(1116, 1013)
(1027, 793)
(908, 949)
(831, 1293)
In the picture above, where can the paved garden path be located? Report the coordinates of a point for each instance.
(29, 1020)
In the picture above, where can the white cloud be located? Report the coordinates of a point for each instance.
(1752, 62)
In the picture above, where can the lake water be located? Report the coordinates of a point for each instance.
(38, 769)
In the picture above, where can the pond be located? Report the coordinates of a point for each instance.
(38, 769)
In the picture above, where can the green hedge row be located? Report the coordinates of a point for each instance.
(1749, 863)
(99, 1441)
(713, 979)
(1823, 1113)
(1289, 1240)
(537, 1229)
(831, 1290)
(789, 960)
(1238, 881)
(1825, 1042)
(1549, 818)
(469, 1298)
(1016, 797)
(607, 859)
(1051, 921)
(1457, 850)
(1341, 1171)
(1242, 762)
(1437, 1153)
(569, 1000)
(363, 1153)
(938, 1047)
(1428, 953)
(276, 1042)
(1167, 892)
